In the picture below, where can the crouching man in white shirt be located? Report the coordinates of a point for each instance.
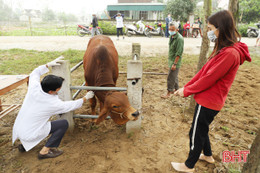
(41, 102)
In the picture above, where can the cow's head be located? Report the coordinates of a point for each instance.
(118, 107)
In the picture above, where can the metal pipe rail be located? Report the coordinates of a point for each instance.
(77, 93)
(89, 116)
(95, 88)
(147, 73)
(76, 66)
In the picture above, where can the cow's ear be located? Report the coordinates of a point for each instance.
(103, 114)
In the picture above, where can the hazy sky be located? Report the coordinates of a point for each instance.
(68, 6)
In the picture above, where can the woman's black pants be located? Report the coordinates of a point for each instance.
(199, 138)
(119, 30)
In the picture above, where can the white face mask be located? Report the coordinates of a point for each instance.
(211, 35)
(172, 32)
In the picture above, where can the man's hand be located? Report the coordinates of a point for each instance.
(55, 62)
(173, 67)
(179, 92)
(89, 95)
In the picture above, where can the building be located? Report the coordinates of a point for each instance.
(34, 15)
(138, 9)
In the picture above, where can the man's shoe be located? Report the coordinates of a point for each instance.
(167, 95)
(51, 154)
(55, 150)
(21, 148)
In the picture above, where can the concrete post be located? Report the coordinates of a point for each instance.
(134, 87)
(63, 70)
(136, 50)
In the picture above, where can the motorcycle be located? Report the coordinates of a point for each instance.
(252, 31)
(195, 30)
(132, 29)
(150, 30)
(86, 30)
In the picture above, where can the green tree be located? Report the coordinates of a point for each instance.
(249, 11)
(48, 15)
(180, 9)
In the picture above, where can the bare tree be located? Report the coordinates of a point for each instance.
(253, 163)
(205, 42)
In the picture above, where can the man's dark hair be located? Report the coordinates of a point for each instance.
(51, 83)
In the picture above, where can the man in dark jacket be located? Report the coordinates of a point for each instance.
(167, 20)
(94, 24)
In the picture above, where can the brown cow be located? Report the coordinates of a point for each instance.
(101, 69)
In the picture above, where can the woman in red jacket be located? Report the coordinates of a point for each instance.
(211, 85)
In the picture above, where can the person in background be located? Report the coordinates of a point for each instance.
(141, 25)
(186, 29)
(200, 24)
(179, 28)
(119, 25)
(176, 44)
(94, 24)
(210, 86)
(195, 27)
(32, 123)
(168, 19)
(257, 43)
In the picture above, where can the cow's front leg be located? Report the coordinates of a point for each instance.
(101, 106)
(93, 103)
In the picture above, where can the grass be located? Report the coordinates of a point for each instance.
(233, 167)
(224, 128)
(19, 61)
(41, 31)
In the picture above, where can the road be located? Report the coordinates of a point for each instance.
(154, 46)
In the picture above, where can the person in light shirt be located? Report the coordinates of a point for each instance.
(32, 123)
(119, 25)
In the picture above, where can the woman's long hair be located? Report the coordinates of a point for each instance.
(228, 34)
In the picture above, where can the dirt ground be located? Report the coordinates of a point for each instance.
(163, 137)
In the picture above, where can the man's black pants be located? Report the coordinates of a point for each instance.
(199, 138)
(172, 80)
(119, 30)
(58, 129)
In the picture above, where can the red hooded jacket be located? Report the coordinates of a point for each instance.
(211, 84)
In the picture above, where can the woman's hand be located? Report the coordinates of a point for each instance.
(179, 92)
(173, 67)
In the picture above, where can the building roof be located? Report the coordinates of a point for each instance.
(136, 7)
